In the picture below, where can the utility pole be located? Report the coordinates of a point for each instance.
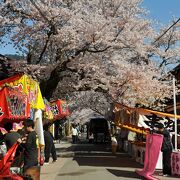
(175, 112)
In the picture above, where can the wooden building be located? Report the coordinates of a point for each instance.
(170, 104)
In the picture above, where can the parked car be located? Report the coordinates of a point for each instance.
(100, 129)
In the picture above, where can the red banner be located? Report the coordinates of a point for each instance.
(59, 109)
(14, 105)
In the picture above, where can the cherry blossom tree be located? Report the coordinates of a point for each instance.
(97, 45)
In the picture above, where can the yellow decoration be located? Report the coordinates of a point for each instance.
(161, 114)
(118, 107)
(133, 129)
(48, 114)
(30, 87)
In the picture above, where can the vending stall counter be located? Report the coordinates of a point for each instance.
(175, 163)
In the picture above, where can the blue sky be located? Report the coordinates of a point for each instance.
(161, 10)
(9, 49)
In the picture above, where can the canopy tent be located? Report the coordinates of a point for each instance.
(14, 105)
(59, 108)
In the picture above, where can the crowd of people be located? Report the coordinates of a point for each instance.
(166, 148)
(28, 152)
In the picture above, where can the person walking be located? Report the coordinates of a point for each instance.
(31, 145)
(74, 134)
(60, 134)
(166, 149)
(49, 145)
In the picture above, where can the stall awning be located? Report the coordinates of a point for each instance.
(59, 108)
(24, 83)
(118, 106)
(133, 119)
(158, 113)
(14, 105)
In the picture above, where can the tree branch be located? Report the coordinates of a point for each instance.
(9, 6)
(157, 39)
(44, 49)
(42, 14)
(100, 50)
(169, 41)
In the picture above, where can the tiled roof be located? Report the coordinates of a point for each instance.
(176, 69)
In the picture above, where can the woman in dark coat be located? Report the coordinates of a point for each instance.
(166, 149)
(49, 145)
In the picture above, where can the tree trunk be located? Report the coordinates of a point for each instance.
(49, 86)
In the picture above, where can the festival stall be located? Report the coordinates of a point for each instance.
(132, 131)
(24, 83)
(138, 122)
(14, 107)
(59, 109)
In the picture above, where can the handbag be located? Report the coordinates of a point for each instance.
(41, 157)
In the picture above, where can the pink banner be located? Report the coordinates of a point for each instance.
(175, 163)
(153, 148)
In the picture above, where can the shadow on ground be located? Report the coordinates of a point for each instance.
(124, 173)
(77, 173)
(121, 160)
(85, 147)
